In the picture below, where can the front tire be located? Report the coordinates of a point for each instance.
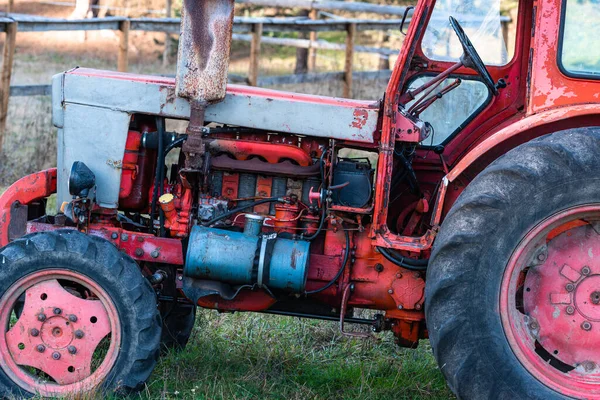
(89, 322)
(499, 301)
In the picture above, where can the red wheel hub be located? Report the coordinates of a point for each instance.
(550, 302)
(58, 332)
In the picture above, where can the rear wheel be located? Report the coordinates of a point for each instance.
(513, 286)
(88, 322)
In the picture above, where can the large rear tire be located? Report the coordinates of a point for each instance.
(499, 301)
(89, 322)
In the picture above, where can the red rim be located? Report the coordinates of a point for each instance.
(53, 347)
(550, 302)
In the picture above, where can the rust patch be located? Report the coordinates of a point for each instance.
(360, 118)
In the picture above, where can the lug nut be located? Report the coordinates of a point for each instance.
(41, 348)
(56, 355)
(570, 287)
(570, 310)
(400, 307)
(390, 291)
(533, 325)
(34, 332)
(114, 236)
(57, 311)
(78, 333)
(41, 317)
(586, 270)
(586, 325)
(72, 349)
(73, 318)
(124, 237)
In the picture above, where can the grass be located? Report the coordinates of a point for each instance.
(254, 356)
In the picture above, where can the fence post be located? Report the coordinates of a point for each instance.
(257, 30)
(10, 6)
(350, 33)
(167, 51)
(312, 52)
(7, 64)
(384, 60)
(123, 59)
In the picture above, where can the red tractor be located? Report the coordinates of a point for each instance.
(465, 206)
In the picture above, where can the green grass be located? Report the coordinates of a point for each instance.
(253, 356)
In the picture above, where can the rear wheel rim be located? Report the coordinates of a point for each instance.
(67, 337)
(550, 302)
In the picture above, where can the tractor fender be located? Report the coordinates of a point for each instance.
(26, 190)
(531, 126)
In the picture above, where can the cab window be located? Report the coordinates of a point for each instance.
(580, 45)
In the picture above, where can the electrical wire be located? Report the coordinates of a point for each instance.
(339, 273)
(404, 262)
(324, 207)
(242, 208)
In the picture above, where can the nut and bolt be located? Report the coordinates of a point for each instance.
(390, 291)
(586, 270)
(41, 348)
(595, 297)
(533, 325)
(140, 239)
(73, 318)
(34, 332)
(139, 252)
(57, 311)
(570, 310)
(398, 275)
(589, 366)
(155, 254)
(41, 317)
(541, 256)
(72, 349)
(417, 275)
(180, 277)
(400, 307)
(56, 355)
(378, 267)
(114, 236)
(570, 287)
(586, 325)
(417, 306)
(78, 333)
(124, 237)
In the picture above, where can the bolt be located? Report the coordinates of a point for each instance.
(140, 239)
(400, 307)
(72, 349)
(398, 275)
(155, 254)
(586, 325)
(57, 311)
(570, 310)
(78, 333)
(41, 348)
(570, 287)
(417, 275)
(417, 306)
(378, 267)
(73, 318)
(589, 366)
(124, 237)
(541, 257)
(114, 236)
(41, 317)
(586, 270)
(180, 277)
(34, 332)
(533, 325)
(56, 355)
(595, 297)
(390, 291)
(139, 252)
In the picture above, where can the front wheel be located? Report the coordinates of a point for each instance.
(88, 322)
(513, 285)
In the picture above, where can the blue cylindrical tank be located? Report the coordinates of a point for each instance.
(238, 258)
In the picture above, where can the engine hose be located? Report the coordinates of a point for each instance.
(242, 208)
(408, 263)
(339, 273)
(323, 208)
(176, 143)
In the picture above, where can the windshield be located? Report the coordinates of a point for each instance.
(482, 22)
